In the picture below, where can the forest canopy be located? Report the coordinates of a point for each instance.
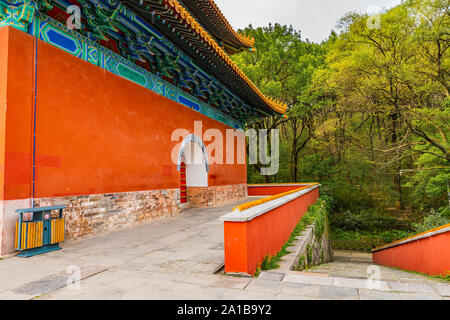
(369, 109)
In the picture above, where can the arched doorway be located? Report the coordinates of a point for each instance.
(193, 165)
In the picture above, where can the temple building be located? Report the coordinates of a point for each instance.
(96, 94)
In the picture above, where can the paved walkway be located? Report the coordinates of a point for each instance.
(349, 264)
(178, 258)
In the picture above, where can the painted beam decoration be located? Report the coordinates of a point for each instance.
(115, 38)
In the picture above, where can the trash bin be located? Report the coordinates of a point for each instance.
(40, 234)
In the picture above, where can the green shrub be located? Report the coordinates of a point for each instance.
(309, 253)
(369, 220)
(394, 235)
(364, 240)
(435, 219)
(270, 263)
(354, 232)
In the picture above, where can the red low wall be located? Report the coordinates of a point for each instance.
(272, 189)
(248, 242)
(426, 253)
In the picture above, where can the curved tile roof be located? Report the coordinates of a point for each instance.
(190, 32)
(210, 15)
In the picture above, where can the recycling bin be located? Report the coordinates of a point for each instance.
(40, 234)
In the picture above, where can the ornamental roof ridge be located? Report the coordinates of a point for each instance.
(277, 106)
(246, 41)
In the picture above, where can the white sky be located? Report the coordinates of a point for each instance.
(314, 18)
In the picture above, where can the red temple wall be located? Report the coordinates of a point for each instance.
(430, 255)
(3, 76)
(95, 132)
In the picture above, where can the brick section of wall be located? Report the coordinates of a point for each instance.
(101, 213)
(199, 197)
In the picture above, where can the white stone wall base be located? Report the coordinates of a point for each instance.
(8, 219)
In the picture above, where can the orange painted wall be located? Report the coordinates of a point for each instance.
(19, 114)
(271, 190)
(95, 132)
(248, 243)
(428, 255)
(3, 77)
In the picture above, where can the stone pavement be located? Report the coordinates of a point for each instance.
(349, 264)
(180, 258)
(353, 276)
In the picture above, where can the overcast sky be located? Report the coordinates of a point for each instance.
(314, 18)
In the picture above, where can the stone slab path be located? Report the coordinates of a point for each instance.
(178, 258)
(353, 276)
(359, 265)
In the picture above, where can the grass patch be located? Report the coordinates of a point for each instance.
(318, 215)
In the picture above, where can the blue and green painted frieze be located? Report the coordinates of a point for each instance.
(113, 37)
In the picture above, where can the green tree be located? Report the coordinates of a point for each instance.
(283, 66)
(369, 108)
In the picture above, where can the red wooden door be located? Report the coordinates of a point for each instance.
(183, 188)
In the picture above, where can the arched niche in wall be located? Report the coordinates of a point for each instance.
(193, 154)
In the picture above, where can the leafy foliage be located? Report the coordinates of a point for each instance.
(373, 238)
(368, 220)
(369, 113)
(435, 219)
